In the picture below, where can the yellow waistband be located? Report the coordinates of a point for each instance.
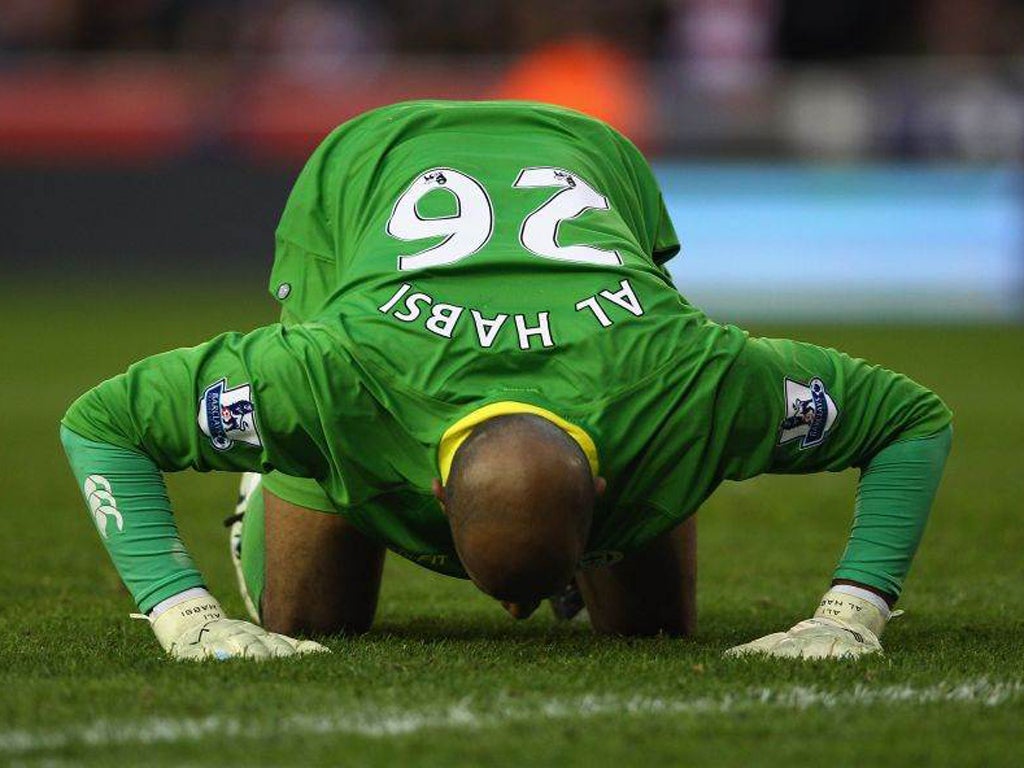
(457, 433)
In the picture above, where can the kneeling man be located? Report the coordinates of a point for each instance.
(485, 367)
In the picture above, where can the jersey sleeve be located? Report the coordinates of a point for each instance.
(788, 407)
(239, 402)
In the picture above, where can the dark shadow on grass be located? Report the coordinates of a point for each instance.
(715, 631)
(576, 639)
(472, 629)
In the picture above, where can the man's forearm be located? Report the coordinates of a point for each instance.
(128, 500)
(894, 498)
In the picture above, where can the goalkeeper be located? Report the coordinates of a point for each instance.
(486, 368)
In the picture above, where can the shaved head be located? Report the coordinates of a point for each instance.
(519, 497)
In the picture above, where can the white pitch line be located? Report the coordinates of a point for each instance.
(467, 715)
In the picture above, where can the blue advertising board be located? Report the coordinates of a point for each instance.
(875, 243)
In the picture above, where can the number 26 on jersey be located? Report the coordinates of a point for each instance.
(471, 226)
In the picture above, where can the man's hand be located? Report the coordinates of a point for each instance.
(844, 626)
(196, 629)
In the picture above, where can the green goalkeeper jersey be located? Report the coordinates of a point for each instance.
(442, 257)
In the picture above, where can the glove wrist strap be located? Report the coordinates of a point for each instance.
(852, 609)
(865, 594)
(181, 597)
(183, 616)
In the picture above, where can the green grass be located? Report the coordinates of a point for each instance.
(445, 678)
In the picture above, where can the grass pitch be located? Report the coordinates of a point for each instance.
(445, 678)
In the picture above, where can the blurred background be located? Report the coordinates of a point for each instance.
(822, 159)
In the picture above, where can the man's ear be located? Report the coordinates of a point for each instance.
(438, 491)
(600, 484)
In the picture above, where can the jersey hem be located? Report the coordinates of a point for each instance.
(298, 491)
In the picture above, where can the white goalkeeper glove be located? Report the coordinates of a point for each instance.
(847, 624)
(196, 629)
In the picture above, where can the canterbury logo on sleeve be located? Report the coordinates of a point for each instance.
(102, 503)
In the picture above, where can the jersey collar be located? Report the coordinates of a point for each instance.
(457, 433)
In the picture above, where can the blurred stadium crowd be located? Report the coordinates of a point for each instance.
(847, 79)
(785, 29)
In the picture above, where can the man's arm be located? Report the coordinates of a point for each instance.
(238, 402)
(819, 410)
(894, 497)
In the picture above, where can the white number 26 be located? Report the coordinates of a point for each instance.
(469, 229)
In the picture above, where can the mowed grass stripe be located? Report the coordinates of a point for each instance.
(373, 722)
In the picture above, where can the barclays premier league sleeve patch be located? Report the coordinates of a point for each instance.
(810, 413)
(227, 416)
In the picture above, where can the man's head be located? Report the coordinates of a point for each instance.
(519, 498)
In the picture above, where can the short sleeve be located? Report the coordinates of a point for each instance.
(238, 402)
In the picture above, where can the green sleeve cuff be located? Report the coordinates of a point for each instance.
(175, 584)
